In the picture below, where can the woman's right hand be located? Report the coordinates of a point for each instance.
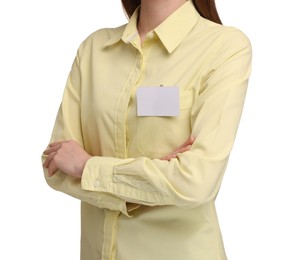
(181, 149)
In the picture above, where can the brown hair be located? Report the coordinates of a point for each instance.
(206, 8)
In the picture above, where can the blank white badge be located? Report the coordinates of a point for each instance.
(158, 101)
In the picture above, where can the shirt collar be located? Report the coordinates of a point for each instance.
(171, 32)
(128, 32)
(175, 28)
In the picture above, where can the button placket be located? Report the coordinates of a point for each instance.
(123, 105)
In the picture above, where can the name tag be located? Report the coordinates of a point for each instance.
(158, 101)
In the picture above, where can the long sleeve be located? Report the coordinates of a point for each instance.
(68, 127)
(195, 176)
(88, 114)
(125, 189)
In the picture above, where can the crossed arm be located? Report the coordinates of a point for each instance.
(189, 180)
(70, 157)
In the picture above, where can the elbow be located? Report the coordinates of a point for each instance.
(197, 193)
(199, 185)
(195, 199)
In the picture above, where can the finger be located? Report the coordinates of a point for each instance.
(58, 143)
(53, 147)
(186, 146)
(184, 149)
(175, 153)
(168, 157)
(51, 150)
(54, 144)
(49, 159)
(189, 141)
(52, 169)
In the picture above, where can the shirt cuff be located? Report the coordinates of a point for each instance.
(125, 179)
(97, 178)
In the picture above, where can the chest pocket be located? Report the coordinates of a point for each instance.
(158, 136)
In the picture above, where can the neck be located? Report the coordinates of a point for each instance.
(154, 12)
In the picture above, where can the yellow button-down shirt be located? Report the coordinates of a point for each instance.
(135, 206)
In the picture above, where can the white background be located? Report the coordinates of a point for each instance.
(38, 43)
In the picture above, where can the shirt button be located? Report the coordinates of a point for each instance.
(150, 35)
(97, 183)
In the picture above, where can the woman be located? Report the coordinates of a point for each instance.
(134, 94)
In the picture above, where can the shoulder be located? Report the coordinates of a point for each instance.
(234, 37)
(100, 38)
(225, 36)
(225, 43)
(105, 34)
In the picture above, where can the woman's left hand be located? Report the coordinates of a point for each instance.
(67, 156)
(181, 149)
